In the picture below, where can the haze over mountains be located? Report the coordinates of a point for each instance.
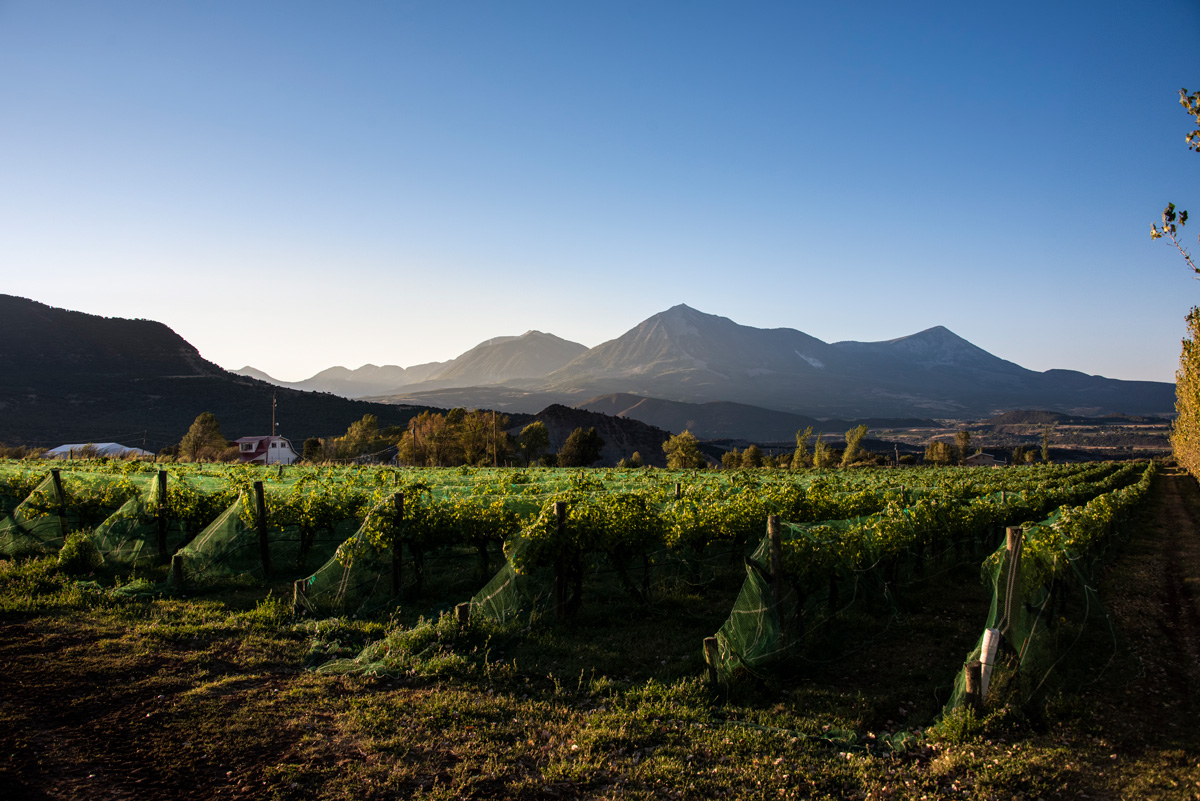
(501, 359)
(71, 376)
(684, 356)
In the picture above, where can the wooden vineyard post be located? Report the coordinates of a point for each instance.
(1003, 502)
(260, 518)
(397, 544)
(678, 490)
(162, 516)
(974, 694)
(61, 502)
(712, 657)
(1013, 545)
(1012, 539)
(560, 561)
(776, 563)
(298, 598)
(462, 614)
(177, 570)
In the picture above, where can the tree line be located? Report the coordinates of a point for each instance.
(430, 439)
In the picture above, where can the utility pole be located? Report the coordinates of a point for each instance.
(271, 441)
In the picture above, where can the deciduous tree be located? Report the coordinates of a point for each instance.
(800, 457)
(683, 452)
(938, 452)
(854, 438)
(1185, 432)
(361, 437)
(819, 453)
(581, 449)
(203, 439)
(962, 445)
(535, 440)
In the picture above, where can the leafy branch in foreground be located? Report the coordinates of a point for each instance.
(1169, 230)
(1191, 104)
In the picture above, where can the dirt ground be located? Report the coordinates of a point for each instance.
(1147, 703)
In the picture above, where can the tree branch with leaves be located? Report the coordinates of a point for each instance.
(1172, 220)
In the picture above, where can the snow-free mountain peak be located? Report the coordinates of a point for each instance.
(503, 359)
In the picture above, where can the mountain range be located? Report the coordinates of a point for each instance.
(496, 361)
(70, 376)
(684, 356)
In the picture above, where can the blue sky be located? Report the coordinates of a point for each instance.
(296, 185)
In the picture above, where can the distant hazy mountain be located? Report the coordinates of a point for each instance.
(250, 372)
(505, 359)
(686, 355)
(497, 361)
(75, 377)
(365, 381)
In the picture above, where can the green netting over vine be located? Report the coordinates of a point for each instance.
(365, 575)
(872, 557)
(62, 503)
(35, 524)
(129, 538)
(230, 546)
(1044, 599)
(510, 594)
(760, 632)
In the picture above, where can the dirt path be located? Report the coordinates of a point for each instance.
(1147, 704)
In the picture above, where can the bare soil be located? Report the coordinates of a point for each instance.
(1146, 706)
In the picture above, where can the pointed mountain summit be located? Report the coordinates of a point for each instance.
(696, 347)
(933, 347)
(686, 355)
(683, 354)
(503, 359)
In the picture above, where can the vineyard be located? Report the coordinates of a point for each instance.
(812, 550)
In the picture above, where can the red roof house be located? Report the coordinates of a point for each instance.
(266, 450)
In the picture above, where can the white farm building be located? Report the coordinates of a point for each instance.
(266, 450)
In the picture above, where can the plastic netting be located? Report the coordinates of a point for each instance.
(1044, 596)
(133, 536)
(763, 629)
(871, 557)
(231, 546)
(524, 590)
(35, 524)
(364, 576)
(510, 594)
(62, 504)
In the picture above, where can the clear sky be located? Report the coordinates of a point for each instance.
(294, 185)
